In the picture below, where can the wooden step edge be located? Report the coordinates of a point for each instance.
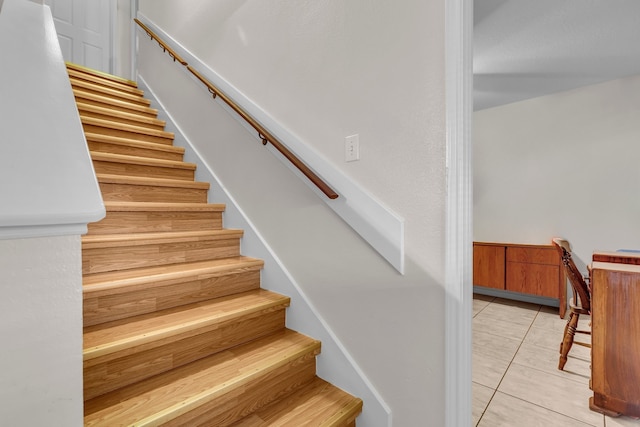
(100, 74)
(157, 182)
(105, 100)
(163, 325)
(83, 106)
(125, 127)
(318, 401)
(118, 282)
(94, 241)
(114, 206)
(108, 91)
(345, 415)
(76, 74)
(117, 140)
(242, 377)
(141, 161)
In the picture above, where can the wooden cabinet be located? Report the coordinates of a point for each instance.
(525, 269)
(615, 338)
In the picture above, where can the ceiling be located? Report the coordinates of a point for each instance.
(529, 48)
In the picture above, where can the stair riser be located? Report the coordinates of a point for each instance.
(137, 136)
(123, 120)
(105, 147)
(150, 193)
(264, 389)
(99, 260)
(110, 372)
(127, 169)
(108, 307)
(94, 74)
(150, 222)
(111, 94)
(116, 105)
(79, 76)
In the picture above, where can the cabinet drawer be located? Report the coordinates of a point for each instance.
(533, 255)
(488, 266)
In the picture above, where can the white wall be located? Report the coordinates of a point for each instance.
(326, 70)
(41, 332)
(561, 165)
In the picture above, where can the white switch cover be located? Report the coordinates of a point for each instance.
(352, 148)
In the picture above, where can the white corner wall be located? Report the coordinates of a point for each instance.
(41, 332)
(561, 165)
(324, 71)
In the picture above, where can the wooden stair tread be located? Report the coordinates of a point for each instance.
(163, 207)
(114, 282)
(95, 137)
(159, 182)
(117, 103)
(164, 397)
(144, 119)
(125, 127)
(90, 78)
(117, 336)
(109, 92)
(316, 404)
(138, 239)
(100, 74)
(136, 160)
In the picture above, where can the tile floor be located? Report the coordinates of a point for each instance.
(516, 382)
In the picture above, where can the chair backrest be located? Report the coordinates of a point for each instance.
(579, 285)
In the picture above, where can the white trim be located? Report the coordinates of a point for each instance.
(334, 353)
(372, 220)
(458, 300)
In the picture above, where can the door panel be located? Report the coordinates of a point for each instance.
(84, 31)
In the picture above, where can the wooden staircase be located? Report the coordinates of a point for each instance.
(177, 330)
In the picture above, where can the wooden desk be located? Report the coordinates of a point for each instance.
(615, 329)
(618, 256)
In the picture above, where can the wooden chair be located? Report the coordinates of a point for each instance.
(579, 304)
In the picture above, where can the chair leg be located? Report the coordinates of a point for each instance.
(567, 340)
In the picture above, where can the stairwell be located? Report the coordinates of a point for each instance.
(177, 330)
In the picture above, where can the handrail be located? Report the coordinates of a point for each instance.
(263, 134)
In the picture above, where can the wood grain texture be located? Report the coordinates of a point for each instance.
(130, 217)
(120, 164)
(111, 252)
(100, 75)
(221, 388)
(121, 294)
(108, 92)
(121, 353)
(316, 404)
(489, 266)
(77, 75)
(135, 119)
(615, 328)
(107, 127)
(127, 146)
(117, 104)
(137, 189)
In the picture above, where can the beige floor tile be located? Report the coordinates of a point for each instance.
(510, 313)
(621, 422)
(549, 321)
(498, 327)
(481, 396)
(551, 392)
(508, 411)
(480, 302)
(494, 345)
(547, 360)
(545, 338)
(487, 371)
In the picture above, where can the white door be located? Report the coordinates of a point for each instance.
(84, 30)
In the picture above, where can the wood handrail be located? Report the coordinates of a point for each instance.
(263, 134)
